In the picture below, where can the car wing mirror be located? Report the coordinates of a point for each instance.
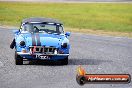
(68, 33)
(16, 31)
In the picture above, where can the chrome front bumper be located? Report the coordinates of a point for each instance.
(21, 53)
(42, 56)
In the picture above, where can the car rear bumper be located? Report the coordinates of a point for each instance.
(30, 56)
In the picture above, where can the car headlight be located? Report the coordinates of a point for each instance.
(64, 45)
(22, 43)
(55, 52)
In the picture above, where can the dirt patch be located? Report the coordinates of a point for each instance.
(100, 32)
(86, 31)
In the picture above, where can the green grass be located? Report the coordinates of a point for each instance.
(94, 16)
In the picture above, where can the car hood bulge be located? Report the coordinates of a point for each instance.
(43, 39)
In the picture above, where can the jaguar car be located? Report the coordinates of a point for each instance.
(41, 39)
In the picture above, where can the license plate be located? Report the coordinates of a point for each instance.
(43, 57)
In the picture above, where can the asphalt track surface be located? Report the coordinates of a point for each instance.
(96, 54)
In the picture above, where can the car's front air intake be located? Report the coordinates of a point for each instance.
(41, 49)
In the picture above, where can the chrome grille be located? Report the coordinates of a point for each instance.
(41, 49)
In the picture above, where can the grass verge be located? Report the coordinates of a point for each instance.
(98, 18)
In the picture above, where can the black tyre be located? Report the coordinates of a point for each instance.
(65, 61)
(18, 59)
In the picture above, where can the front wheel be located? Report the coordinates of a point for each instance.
(64, 61)
(18, 59)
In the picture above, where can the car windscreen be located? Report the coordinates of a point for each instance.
(43, 28)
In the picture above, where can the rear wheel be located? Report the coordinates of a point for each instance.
(64, 61)
(18, 59)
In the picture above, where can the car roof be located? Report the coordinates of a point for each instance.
(41, 20)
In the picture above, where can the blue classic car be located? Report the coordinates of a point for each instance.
(41, 39)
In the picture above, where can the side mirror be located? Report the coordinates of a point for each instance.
(67, 33)
(16, 31)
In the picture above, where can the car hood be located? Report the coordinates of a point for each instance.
(38, 39)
